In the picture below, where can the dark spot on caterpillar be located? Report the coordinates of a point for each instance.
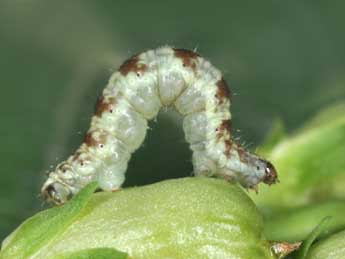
(188, 57)
(224, 127)
(102, 105)
(132, 65)
(223, 91)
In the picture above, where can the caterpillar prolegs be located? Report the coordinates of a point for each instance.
(134, 94)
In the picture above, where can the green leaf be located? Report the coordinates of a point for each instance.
(310, 164)
(191, 218)
(332, 247)
(38, 231)
(324, 116)
(96, 253)
(295, 225)
(318, 230)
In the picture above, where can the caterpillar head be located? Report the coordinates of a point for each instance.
(271, 175)
(249, 169)
(57, 187)
(56, 192)
(261, 171)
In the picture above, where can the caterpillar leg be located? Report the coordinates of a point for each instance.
(111, 177)
(203, 165)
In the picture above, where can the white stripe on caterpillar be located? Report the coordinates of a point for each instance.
(135, 93)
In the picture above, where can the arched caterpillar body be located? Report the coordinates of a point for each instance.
(134, 94)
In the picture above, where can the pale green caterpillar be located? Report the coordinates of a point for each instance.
(135, 93)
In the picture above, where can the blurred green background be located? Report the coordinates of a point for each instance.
(283, 59)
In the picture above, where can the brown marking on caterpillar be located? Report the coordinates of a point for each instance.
(242, 154)
(223, 91)
(90, 141)
(132, 65)
(228, 146)
(103, 105)
(188, 57)
(77, 158)
(64, 167)
(225, 127)
(76, 155)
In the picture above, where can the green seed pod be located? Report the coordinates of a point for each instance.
(186, 218)
(332, 247)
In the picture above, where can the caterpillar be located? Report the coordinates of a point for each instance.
(134, 94)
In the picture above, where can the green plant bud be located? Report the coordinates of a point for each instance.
(332, 247)
(296, 224)
(313, 235)
(185, 218)
(310, 164)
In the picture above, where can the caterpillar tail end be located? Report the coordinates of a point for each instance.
(55, 192)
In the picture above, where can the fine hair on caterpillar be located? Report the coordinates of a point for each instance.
(134, 94)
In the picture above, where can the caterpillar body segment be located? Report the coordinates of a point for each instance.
(134, 94)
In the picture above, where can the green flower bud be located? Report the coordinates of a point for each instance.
(332, 247)
(186, 218)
